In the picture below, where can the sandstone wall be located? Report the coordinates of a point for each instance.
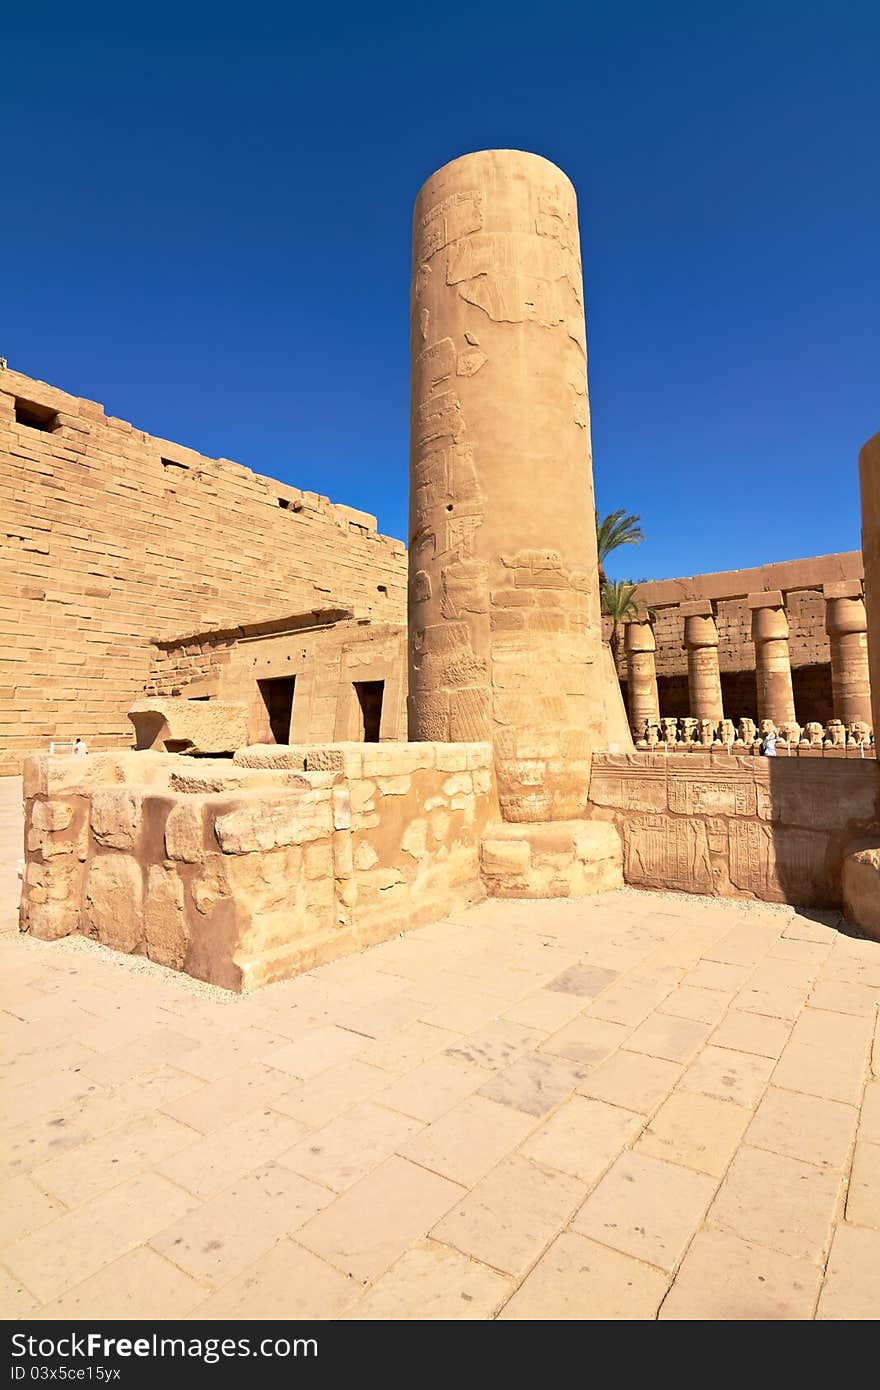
(242, 875)
(326, 665)
(746, 827)
(111, 536)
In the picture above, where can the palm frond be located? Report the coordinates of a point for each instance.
(617, 529)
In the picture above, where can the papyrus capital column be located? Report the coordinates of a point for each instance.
(504, 625)
(704, 676)
(846, 623)
(772, 657)
(869, 473)
(639, 646)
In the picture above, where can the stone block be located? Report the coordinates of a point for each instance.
(505, 856)
(184, 832)
(265, 823)
(51, 815)
(394, 786)
(325, 760)
(51, 921)
(114, 902)
(165, 926)
(278, 755)
(115, 817)
(861, 889)
(189, 726)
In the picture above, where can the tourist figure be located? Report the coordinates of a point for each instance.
(768, 744)
(79, 747)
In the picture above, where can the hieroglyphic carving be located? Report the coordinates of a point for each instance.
(666, 852)
(469, 715)
(421, 587)
(646, 792)
(495, 404)
(691, 794)
(446, 221)
(777, 863)
(748, 855)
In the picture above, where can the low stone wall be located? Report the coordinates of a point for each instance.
(240, 875)
(746, 827)
(551, 859)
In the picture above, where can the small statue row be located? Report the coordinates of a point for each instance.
(746, 734)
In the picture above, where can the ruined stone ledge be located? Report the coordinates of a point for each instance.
(551, 859)
(241, 875)
(775, 830)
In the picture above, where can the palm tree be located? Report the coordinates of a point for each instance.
(617, 529)
(619, 603)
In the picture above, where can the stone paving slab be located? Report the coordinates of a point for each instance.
(632, 1106)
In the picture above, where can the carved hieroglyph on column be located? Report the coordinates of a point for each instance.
(704, 677)
(772, 658)
(504, 626)
(846, 623)
(641, 676)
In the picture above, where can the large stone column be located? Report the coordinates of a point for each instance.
(504, 626)
(846, 623)
(704, 676)
(869, 470)
(772, 658)
(861, 867)
(643, 700)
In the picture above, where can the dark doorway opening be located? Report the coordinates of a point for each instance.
(739, 695)
(277, 695)
(672, 693)
(813, 700)
(369, 694)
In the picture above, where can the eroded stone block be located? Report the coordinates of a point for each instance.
(861, 889)
(165, 927)
(264, 823)
(116, 816)
(114, 912)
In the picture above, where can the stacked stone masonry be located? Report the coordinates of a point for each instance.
(323, 663)
(103, 548)
(763, 828)
(240, 873)
(504, 625)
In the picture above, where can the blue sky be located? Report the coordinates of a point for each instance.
(206, 220)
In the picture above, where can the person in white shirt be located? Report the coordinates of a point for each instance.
(80, 748)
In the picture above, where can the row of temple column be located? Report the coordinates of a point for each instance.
(846, 625)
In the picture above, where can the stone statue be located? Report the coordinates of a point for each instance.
(688, 730)
(790, 733)
(746, 730)
(835, 734)
(650, 735)
(860, 733)
(813, 735)
(725, 736)
(705, 732)
(670, 732)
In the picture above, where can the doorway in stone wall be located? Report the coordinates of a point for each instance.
(277, 696)
(369, 698)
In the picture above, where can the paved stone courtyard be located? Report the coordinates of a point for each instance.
(630, 1106)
